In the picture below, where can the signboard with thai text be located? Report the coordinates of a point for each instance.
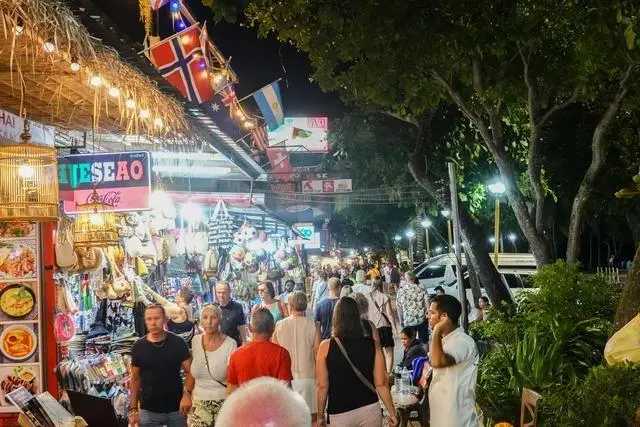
(12, 126)
(122, 180)
(327, 186)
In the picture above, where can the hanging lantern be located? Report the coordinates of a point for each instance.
(95, 226)
(28, 181)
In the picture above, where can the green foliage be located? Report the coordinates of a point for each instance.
(568, 294)
(607, 397)
(549, 341)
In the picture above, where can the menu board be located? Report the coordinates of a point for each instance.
(20, 312)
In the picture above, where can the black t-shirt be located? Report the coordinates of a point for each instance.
(232, 319)
(184, 330)
(159, 363)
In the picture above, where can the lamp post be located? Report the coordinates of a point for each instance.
(497, 188)
(410, 235)
(426, 223)
(447, 214)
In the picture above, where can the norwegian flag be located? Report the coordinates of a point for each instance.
(157, 4)
(259, 137)
(228, 96)
(181, 61)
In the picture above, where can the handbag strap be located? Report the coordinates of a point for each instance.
(355, 370)
(206, 361)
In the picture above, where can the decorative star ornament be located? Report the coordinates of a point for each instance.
(215, 107)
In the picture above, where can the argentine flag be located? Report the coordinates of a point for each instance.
(270, 103)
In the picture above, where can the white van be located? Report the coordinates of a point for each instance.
(441, 271)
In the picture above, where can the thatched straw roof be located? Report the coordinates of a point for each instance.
(53, 71)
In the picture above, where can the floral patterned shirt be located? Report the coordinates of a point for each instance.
(411, 304)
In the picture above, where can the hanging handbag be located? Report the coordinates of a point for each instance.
(65, 255)
(385, 332)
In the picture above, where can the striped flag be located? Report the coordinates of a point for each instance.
(270, 103)
(157, 4)
(260, 138)
(228, 96)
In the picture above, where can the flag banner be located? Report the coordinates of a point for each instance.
(229, 97)
(280, 165)
(259, 137)
(181, 62)
(157, 4)
(270, 103)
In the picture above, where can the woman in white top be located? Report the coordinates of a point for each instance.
(299, 335)
(382, 317)
(205, 386)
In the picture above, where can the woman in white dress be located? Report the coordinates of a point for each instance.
(205, 386)
(298, 334)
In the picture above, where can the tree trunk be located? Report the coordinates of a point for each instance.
(475, 248)
(474, 282)
(472, 236)
(537, 242)
(599, 151)
(630, 299)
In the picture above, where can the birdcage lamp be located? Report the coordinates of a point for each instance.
(28, 180)
(95, 225)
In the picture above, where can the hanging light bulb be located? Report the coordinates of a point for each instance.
(18, 30)
(130, 104)
(175, 6)
(217, 78)
(144, 113)
(95, 81)
(114, 92)
(180, 24)
(25, 171)
(185, 39)
(158, 123)
(75, 67)
(49, 47)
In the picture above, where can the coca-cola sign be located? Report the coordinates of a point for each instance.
(122, 181)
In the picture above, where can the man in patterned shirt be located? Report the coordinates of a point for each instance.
(412, 306)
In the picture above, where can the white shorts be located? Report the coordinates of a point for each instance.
(306, 387)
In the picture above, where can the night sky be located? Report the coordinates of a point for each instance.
(256, 61)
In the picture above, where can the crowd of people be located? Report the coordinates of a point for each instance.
(306, 360)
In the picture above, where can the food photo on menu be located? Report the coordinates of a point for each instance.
(11, 230)
(14, 377)
(17, 260)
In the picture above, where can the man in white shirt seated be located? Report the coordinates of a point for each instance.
(454, 359)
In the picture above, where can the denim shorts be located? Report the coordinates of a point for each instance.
(159, 419)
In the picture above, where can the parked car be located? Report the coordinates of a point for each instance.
(514, 269)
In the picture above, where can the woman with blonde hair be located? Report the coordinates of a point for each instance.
(205, 386)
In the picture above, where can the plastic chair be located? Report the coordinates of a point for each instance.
(529, 408)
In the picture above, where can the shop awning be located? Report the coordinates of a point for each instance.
(52, 70)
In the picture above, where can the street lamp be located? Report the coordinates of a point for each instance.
(492, 240)
(512, 238)
(397, 237)
(497, 188)
(438, 249)
(366, 249)
(410, 235)
(447, 214)
(426, 223)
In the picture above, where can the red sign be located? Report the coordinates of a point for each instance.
(281, 168)
(122, 180)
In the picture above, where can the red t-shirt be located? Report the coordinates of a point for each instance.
(259, 359)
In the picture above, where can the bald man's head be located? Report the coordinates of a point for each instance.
(248, 407)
